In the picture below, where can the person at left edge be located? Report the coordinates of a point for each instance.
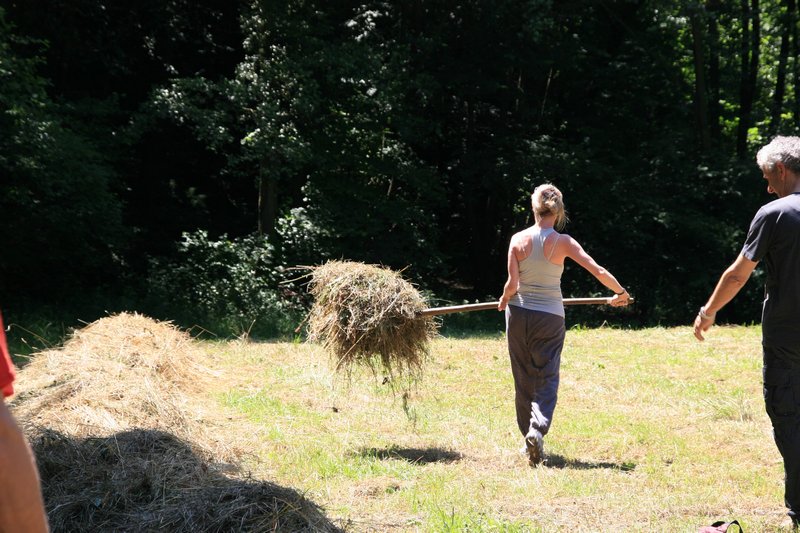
(21, 505)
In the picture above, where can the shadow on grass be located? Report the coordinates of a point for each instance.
(150, 480)
(559, 461)
(412, 455)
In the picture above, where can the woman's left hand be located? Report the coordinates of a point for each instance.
(620, 300)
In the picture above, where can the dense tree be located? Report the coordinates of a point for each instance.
(59, 211)
(409, 134)
(750, 41)
(105, 59)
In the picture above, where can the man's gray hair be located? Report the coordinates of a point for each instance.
(781, 149)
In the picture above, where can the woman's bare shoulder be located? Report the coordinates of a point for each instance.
(565, 245)
(521, 244)
(566, 239)
(521, 236)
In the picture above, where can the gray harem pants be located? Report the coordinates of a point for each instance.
(535, 340)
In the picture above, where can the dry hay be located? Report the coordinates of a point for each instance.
(119, 372)
(149, 480)
(368, 315)
(116, 421)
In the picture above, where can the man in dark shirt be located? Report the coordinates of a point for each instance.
(774, 237)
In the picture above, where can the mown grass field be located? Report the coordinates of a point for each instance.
(653, 432)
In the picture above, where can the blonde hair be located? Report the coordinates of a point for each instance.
(548, 200)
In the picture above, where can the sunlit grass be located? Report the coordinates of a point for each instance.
(653, 431)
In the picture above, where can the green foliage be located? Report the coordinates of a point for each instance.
(60, 216)
(302, 113)
(406, 134)
(225, 286)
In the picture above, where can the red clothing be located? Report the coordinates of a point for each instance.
(7, 372)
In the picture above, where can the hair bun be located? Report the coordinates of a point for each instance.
(547, 200)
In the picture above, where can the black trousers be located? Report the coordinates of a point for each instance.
(782, 399)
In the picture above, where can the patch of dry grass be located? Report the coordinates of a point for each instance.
(653, 431)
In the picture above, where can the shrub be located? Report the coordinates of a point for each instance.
(230, 287)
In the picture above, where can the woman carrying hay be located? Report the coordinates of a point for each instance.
(534, 311)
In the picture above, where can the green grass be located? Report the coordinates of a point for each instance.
(653, 431)
(26, 336)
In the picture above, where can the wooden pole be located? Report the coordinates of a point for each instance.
(493, 305)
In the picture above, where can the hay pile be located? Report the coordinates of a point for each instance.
(117, 422)
(367, 315)
(117, 373)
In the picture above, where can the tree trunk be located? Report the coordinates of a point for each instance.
(749, 72)
(714, 108)
(700, 91)
(755, 52)
(791, 6)
(780, 80)
(267, 201)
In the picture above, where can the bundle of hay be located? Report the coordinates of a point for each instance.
(367, 315)
(116, 419)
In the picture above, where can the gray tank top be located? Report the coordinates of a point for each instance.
(539, 279)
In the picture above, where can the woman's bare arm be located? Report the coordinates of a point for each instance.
(573, 250)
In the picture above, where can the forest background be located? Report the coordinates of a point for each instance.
(182, 158)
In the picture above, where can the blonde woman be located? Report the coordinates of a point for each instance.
(534, 311)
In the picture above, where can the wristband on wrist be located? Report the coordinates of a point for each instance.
(620, 293)
(704, 315)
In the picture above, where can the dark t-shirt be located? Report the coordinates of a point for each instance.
(774, 237)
